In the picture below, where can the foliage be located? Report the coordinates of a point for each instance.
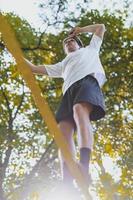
(27, 153)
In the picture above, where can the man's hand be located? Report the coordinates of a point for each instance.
(98, 29)
(36, 69)
(75, 31)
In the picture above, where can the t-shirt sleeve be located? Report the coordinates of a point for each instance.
(95, 42)
(54, 70)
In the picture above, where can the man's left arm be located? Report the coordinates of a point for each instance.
(97, 29)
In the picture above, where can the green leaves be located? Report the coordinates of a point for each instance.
(25, 131)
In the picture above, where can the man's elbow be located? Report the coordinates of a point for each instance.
(102, 27)
(100, 30)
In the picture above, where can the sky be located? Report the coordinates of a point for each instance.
(25, 8)
(29, 9)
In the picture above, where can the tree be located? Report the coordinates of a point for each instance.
(113, 136)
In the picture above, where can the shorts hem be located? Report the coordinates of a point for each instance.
(97, 113)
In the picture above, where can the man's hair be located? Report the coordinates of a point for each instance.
(76, 38)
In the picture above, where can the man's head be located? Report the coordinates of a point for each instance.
(72, 43)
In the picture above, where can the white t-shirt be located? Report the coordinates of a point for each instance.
(79, 64)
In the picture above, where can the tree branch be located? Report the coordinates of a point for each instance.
(7, 103)
(19, 106)
(36, 48)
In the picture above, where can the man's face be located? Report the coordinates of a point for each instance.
(70, 45)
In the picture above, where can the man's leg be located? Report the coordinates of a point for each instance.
(85, 133)
(67, 128)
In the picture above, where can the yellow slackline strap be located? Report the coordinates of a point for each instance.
(14, 48)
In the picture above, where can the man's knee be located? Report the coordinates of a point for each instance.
(77, 110)
(81, 110)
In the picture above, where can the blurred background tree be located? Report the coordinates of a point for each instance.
(29, 164)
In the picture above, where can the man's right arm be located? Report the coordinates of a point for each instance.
(40, 69)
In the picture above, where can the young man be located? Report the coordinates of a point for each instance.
(82, 100)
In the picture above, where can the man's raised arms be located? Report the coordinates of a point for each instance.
(97, 29)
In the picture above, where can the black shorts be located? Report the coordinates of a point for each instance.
(86, 89)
